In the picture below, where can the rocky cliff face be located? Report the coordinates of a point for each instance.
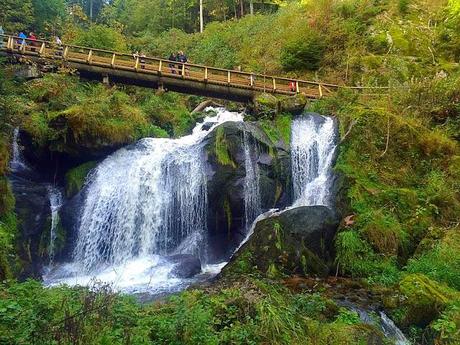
(227, 169)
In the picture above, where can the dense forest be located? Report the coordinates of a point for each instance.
(398, 242)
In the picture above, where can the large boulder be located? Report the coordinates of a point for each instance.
(295, 241)
(185, 265)
(226, 171)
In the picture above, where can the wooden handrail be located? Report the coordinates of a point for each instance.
(238, 78)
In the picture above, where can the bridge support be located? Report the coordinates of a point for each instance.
(105, 79)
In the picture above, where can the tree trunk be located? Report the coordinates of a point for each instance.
(242, 8)
(91, 10)
(251, 7)
(201, 16)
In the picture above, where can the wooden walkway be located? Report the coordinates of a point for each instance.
(161, 73)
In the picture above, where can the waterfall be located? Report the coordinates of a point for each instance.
(17, 162)
(313, 146)
(391, 331)
(142, 204)
(252, 203)
(55, 199)
(145, 199)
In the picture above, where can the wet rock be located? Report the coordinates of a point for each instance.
(226, 180)
(186, 266)
(296, 241)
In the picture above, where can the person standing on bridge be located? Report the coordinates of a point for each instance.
(172, 66)
(182, 58)
(23, 38)
(58, 43)
(33, 40)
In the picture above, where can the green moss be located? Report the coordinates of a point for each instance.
(228, 214)
(75, 178)
(8, 229)
(278, 129)
(424, 298)
(221, 149)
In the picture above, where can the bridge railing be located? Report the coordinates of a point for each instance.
(164, 67)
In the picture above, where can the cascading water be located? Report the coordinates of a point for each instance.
(313, 146)
(252, 203)
(55, 199)
(142, 203)
(17, 162)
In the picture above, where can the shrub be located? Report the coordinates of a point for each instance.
(304, 53)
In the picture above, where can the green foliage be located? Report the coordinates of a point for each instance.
(264, 312)
(8, 226)
(75, 178)
(16, 16)
(101, 37)
(348, 317)
(303, 54)
(49, 15)
(441, 263)
(67, 116)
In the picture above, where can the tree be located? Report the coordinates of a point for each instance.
(48, 14)
(16, 15)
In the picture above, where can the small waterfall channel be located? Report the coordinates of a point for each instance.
(252, 202)
(56, 199)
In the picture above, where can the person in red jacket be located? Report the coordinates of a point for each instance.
(33, 42)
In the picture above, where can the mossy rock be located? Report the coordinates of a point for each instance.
(424, 300)
(296, 241)
(269, 104)
(75, 178)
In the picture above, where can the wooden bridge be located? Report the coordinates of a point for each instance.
(152, 72)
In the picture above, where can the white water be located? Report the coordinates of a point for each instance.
(55, 199)
(391, 331)
(17, 162)
(142, 203)
(313, 146)
(252, 203)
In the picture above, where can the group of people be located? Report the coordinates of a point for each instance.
(178, 57)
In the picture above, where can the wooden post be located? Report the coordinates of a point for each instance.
(320, 91)
(228, 77)
(160, 66)
(90, 55)
(297, 89)
(112, 63)
(274, 84)
(205, 74)
(183, 70)
(252, 80)
(66, 51)
(42, 49)
(10, 43)
(136, 65)
(23, 46)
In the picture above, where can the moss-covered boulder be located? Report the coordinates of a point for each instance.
(75, 178)
(226, 172)
(296, 241)
(424, 299)
(270, 104)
